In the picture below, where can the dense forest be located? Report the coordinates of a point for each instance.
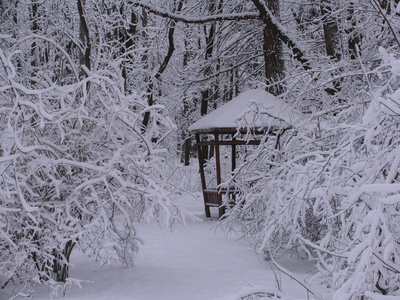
(96, 98)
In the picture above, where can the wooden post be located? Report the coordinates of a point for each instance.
(233, 153)
(233, 199)
(221, 209)
(188, 146)
(203, 179)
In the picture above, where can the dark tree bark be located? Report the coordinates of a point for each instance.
(354, 39)
(35, 30)
(163, 66)
(210, 33)
(186, 145)
(272, 23)
(84, 36)
(126, 36)
(331, 30)
(332, 38)
(273, 53)
(62, 269)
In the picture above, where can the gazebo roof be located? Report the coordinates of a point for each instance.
(255, 109)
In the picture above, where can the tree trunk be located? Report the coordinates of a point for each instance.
(84, 37)
(62, 269)
(35, 30)
(273, 54)
(128, 44)
(354, 39)
(331, 30)
(272, 23)
(209, 93)
(163, 66)
(186, 139)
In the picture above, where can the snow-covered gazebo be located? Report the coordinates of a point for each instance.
(255, 112)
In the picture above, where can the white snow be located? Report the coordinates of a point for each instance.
(381, 187)
(198, 262)
(373, 296)
(273, 112)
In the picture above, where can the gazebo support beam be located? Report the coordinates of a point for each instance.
(202, 176)
(234, 154)
(221, 209)
(235, 142)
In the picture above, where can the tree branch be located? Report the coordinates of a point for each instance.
(164, 64)
(378, 8)
(271, 22)
(264, 13)
(196, 20)
(298, 280)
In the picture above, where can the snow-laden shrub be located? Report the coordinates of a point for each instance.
(333, 190)
(76, 170)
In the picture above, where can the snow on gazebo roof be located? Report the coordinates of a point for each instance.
(254, 109)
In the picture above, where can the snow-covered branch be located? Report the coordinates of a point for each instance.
(195, 19)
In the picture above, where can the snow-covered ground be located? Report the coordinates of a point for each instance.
(196, 262)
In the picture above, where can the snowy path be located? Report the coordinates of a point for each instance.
(196, 263)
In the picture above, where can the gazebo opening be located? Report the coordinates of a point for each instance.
(238, 124)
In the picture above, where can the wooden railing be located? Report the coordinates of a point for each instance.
(214, 198)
